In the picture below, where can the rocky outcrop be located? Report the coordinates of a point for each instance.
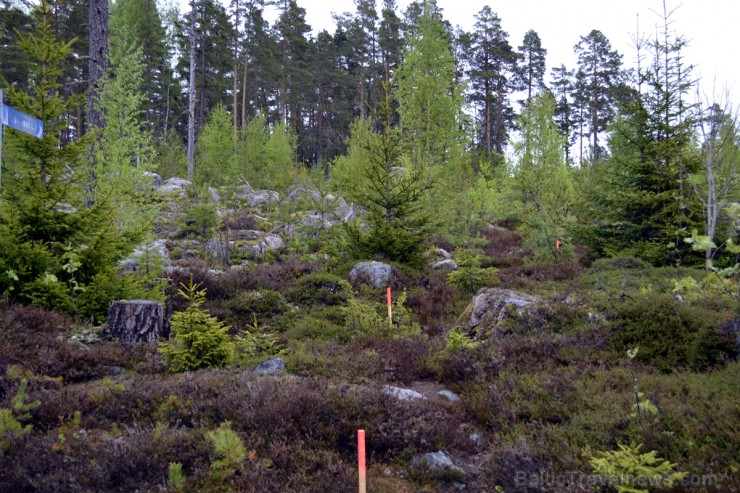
(174, 186)
(259, 198)
(247, 243)
(155, 179)
(489, 306)
(447, 264)
(376, 274)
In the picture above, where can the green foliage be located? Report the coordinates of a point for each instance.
(643, 406)
(430, 97)
(255, 344)
(175, 477)
(491, 196)
(53, 239)
(458, 340)
(365, 320)
(633, 471)
(262, 302)
(121, 154)
(392, 193)
(171, 158)
(197, 340)
(229, 448)
(470, 276)
(216, 159)
(543, 179)
(320, 288)
(10, 419)
(199, 220)
(670, 334)
(323, 323)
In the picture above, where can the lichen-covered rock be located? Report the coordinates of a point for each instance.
(490, 304)
(449, 395)
(448, 264)
(174, 186)
(250, 243)
(217, 249)
(376, 274)
(155, 179)
(402, 394)
(271, 367)
(243, 191)
(262, 197)
(435, 462)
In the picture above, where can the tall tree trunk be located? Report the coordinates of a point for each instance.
(191, 95)
(235, 110)
(98, 63)
(244, 88)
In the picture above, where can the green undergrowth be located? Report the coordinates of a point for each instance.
(550, 389)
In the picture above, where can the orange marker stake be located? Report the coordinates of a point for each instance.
(361, 459)
(390, 307)
(557, 244)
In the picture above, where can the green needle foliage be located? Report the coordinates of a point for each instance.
(229, 449)
(197, 340)
(392, 194)
(633, 470)
(59, 250)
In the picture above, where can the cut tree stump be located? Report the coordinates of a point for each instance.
(136, 321)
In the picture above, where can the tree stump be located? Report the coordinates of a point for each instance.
(136, 321)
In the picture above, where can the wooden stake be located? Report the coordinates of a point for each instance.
(361, 459)
(390, 307)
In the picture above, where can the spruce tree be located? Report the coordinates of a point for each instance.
(390, 190)
(58, 251)
(640, 200)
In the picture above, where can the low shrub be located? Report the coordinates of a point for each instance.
(320, 288)
(670, 334)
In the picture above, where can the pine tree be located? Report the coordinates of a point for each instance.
(492, 64)
(530, 72)
(562, 87)
(601, 76)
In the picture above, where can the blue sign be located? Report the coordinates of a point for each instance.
(11, 117)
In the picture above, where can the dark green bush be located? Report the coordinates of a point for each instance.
(320, 323)
(321, 288)
(261, 302)
(669, 333)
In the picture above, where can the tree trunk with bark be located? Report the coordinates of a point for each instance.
(191, 95)
(136, 321)
(98, 63)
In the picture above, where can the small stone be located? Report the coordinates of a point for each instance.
(434, 462)
(445, 264)
(402, 394)
(449, 395)
(271, 367)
